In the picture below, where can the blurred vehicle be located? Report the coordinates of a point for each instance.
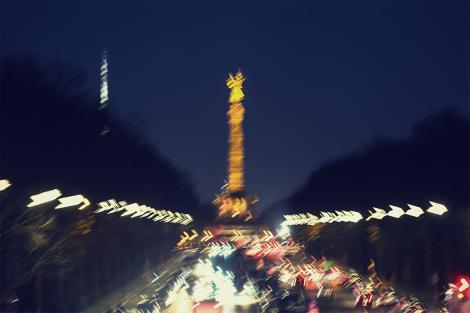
(209, 306)
(386, 298)
(457, 296)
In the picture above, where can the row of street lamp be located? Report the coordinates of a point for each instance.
(111, 206)
(135, 210)
(354, 217)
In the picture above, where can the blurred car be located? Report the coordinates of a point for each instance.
(457, 296)
(208, 306)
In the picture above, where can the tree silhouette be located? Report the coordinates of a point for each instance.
(51, 137)
(432, 164)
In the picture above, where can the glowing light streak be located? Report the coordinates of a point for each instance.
(155, 279)
(267, 235)
(4, 184)
(221, 249)
(73, 201)
(437, 208)
(107, 205)
(179, 285)
(284, 231)
(231, 203)
(186, 237)
(236, 154)
(378, 214)
(395, 212)
(300, 219)
(188, 219)
(464, 284)
(248, 217)
(170, 216)
(354, 216)
(160, 215)
(143, 211)
(218, 285)
(130, 209)
(104, 97)
(119, 206)
(178, 218)
(236, 235)
(85, 204)
(414, 211)
(325, 217)
(44, 197)
(194, 235)
(208, 235)
(237, 212)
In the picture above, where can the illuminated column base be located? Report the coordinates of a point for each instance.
(234, 207)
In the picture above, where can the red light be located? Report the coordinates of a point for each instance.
(207, 307)
(463, 286)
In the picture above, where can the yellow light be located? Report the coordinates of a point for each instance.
(232, 203)
(248, 217)
(44, 197)
(4, 184)
(235, 114)
(235, 84)
(184, 237)
(85, 204)
(194, 235)
(208, 235)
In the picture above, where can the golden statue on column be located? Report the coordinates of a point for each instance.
(236, 179)
(233, 203)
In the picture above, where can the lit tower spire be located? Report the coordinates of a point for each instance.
(236, 175)
(233, 203)
(104, 80)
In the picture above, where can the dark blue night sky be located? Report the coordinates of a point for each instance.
(323, 79)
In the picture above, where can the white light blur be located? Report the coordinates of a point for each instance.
(378, 214)
(437, 208)
(4, 184)
(143, 211)
(44, 197)
(414, 211)
(395, 212)
(284, 231)
(72, 201)
(221, 249)
(218, 285)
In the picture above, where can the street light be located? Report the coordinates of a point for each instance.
(437, 208)
(4, 184)
(73, 201)
(378, 214)
(143, 211)
(414, 211)
(44, 197)
(395, 212)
